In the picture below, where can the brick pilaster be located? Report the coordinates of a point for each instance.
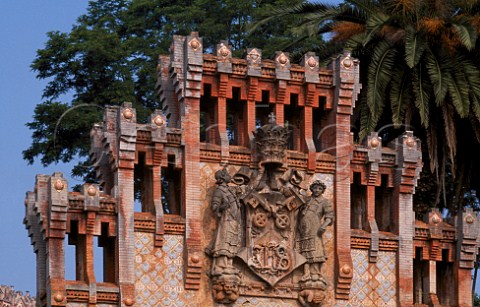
(344, 80)
(33, 224)
(55, 236)
(158, 124)
(221, 120)
(408, 166)
(192, 67)
(124, 192)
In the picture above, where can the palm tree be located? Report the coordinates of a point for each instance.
(420, 67)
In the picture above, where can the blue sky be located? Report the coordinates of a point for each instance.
(23, 28)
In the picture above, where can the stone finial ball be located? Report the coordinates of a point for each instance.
(127, 114)
(91, 191)
(59, 185)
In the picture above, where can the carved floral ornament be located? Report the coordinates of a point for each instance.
(410, 142)
(195, 44)
(91, 191)
(254, 57)
(347, 62)
(128, 114)
(311, 62)
(374, 142)
(58, 185)
(158, 120)
(469, 219)
(436, 219)
(282, 59)
(223, 51)
(58, 297)
(270, 223)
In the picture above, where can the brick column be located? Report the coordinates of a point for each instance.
(279, 116)
(221, 121)
(408, 167)
(124, 192)
(192, 67)
(89, 257)
(158, 123)
(91, 207)
(55, 236)
(345, 73)
(254, 71)
(33, 224)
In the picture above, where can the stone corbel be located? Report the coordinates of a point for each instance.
(345, 276)
(193, 270)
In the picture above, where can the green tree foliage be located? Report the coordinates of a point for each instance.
(420, 71)
(110, 56)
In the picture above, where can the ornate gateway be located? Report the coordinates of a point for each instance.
(268, 223)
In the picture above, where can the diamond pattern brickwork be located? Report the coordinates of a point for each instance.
(373, 284)
(159, 272)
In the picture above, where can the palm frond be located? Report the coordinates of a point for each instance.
(472, 75)
(366, 124)
(399, 94)
(458, 90)
(355, 42)
(414, 47)
(319, 11)
(475, 103)
(436, 71)
(374, 24)
(422, 92)
(466, 34)
(379, 76)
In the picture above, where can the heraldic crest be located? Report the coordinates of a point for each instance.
(269, 225)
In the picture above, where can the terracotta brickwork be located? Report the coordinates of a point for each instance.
(248, 191)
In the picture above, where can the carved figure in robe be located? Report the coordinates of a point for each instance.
(228, 237)
(313, 219)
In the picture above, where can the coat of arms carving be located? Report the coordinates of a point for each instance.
(271, 223)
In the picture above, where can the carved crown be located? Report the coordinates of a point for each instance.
(271, 141)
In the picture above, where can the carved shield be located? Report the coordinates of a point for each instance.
(270, 235)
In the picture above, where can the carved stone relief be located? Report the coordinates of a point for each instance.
(271, 224)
